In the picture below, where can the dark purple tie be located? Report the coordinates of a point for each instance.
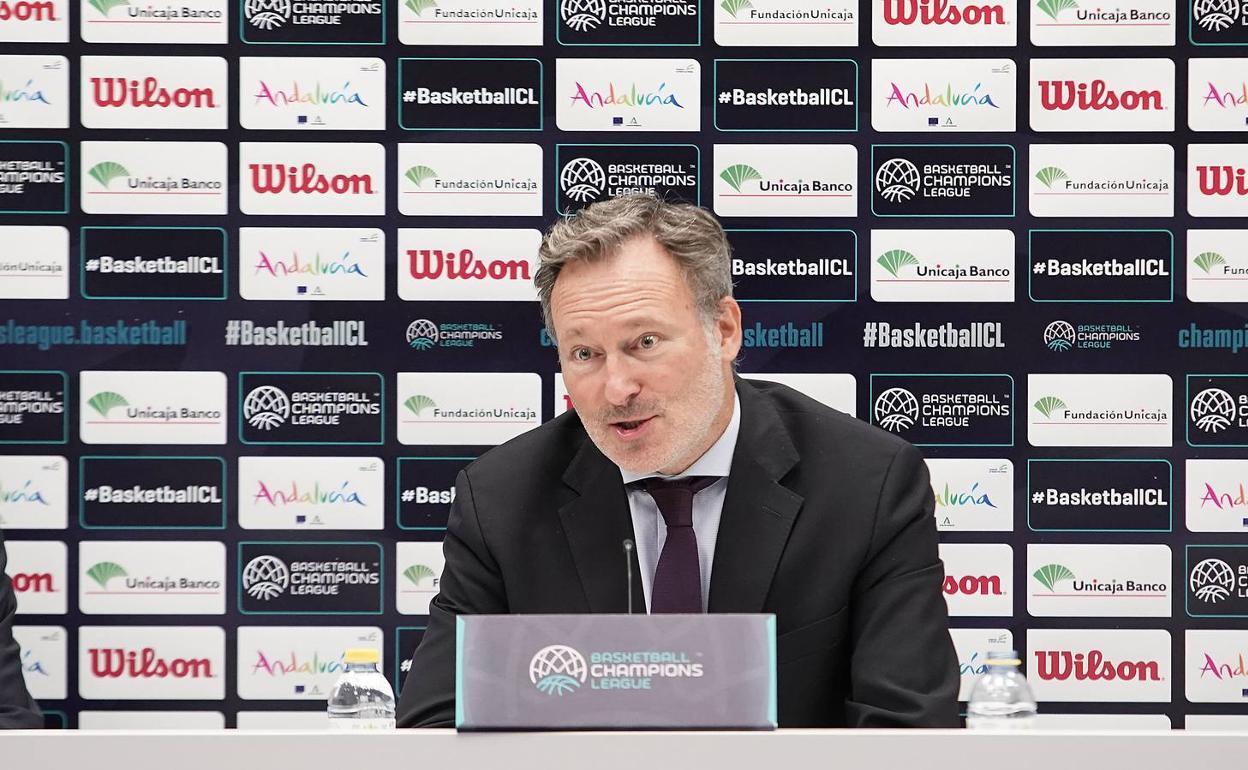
(677, 579)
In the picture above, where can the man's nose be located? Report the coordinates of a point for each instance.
(622, 382)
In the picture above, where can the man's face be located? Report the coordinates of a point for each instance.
(647, 376)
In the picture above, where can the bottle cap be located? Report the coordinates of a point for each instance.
(360, 655)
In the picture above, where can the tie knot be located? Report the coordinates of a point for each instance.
(675, 497)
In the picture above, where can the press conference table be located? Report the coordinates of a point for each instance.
(781, 750)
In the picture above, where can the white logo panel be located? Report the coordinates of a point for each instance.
(972, 646)
(485, 408)
(341, 178)
(34, 91)
(188, 92)
(944, 22)
(419, 567)
(1101, 180)
(784, 23)
(39, 575)
(44, 660)
(1099, 722)
(1099, 409)
(943, 94)
(282, 720)
(979, 579)
(973, 495)
(153, 178)
(151, 720)
(470, 180)
(1129, 23)
(468, 264)
(190, 21)
(312, 263)
(34, 262)
(1102, 95)
(1089, 665)
(136, 407)
(1214, 666)
(117, 577)
(311, 492)
(1217, 180)
(1121, 581)
(786, 180)
(1217, 94)
(312, 93)
(1217, 495)
(36, 21)
(1217, 265)
(835, 390)
(942, 265)
(628, 95)
(151, 662)
(470, 22)
(298, 662)
(33, 493)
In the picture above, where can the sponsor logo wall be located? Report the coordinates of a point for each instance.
(261, 301)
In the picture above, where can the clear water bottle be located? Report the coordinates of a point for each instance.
(1001, 698)
(362, 698)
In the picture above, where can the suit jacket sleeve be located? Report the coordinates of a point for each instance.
(471, 583)
(904, 668)
(17, 709)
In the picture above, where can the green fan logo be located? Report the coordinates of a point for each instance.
(895, 259)
(106, 172)
(418, 572)
(1049, 175)
(733, 6)
(1208, 260)
(1048, 405)
(420, 6)
(104, 6)
(1052, 8)
(105, 571)
(1051, 574)
(102, 403)
(738, 175)
(418, 404)
(418, 175)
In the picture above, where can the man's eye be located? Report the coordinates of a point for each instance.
(581, 354)
(649, 340)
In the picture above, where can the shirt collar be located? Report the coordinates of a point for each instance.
(716, 461)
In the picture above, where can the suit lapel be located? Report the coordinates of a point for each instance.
(596, 522)
(758, 512)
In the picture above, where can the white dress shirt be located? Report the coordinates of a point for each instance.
(649, 529)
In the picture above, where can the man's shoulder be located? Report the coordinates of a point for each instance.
(534, 457)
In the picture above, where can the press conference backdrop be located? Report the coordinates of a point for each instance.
(266, 277)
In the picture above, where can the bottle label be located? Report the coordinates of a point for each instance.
(347, 723)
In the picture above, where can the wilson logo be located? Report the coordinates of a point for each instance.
(279, 178)
(34, 583)
(1072, 95)
(27, 11)
(1221, 180)
(973, 585)
(937, 12)
(116, 662)
(148, 92)
(435, 263)
(1053, 665)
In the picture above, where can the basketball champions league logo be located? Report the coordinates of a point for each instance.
(558, 670)
(583, 15)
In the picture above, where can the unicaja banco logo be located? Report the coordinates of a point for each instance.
(557, 670)
(894, 260)
(583, 15)
(1048, 405)
(418, 404)
(1213, 410)
(1059, 336)
(417, 175)
(1215, 15)
(582, 180)
(1052, 8)
(267, 14)
(896, 409)
(732, 7)
(738, 175)
(102, 403)
(266, 407)
(1208, 260)
(265, 577)
(1051, 174)
(1051, 574)
(106, 172)
(420, 6)
(422, 334)
(897, 180)
(1212, 580)
(104, 6)
(105, 571)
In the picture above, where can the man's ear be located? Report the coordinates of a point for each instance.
(728, 328)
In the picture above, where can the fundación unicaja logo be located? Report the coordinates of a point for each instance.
(418, 175)
(737, 175)
(1208, 260)
(420, 6)
(267, 14)
(422, 334)
(557, 670)
(1212, 580)
(265, 577)
(897, 180)
(1054, 8)
(1049, 175)
(1216, 15)
(1048, 405)
(732, 7)
(105, 571)
(105, 401)
(1059, 336)
(104, 6)
(1213, 410)
(896, 409)
(107, 171)
(418, 404)
(582, 180)
(1051, 574)
(418, 573)
(894, 260)
(583, 15)
(266, 407)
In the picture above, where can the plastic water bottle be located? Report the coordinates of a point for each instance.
(362, 698)
(1001, 698)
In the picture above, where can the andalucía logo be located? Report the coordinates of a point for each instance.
(1217, 95)
(311, 407)
(32, 407)
(942, 180)
(1217, 410)
(558, 670)
(628, 22)
(786, 95)
(945, 409)
(1219, 22)
(313, 21)
(594, 172)
(298, 578)
(628, 94)
(470, 94)
(1217, 581)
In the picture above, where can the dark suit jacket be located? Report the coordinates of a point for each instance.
(17, 708)
(827, 522)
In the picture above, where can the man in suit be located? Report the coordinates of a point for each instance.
(17, 708)
(741, 496)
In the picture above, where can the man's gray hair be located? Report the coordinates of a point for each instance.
(691, 235)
